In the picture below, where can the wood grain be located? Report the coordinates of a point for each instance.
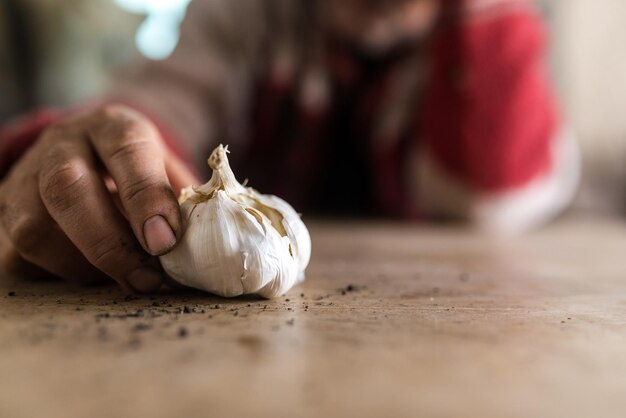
(394, 320)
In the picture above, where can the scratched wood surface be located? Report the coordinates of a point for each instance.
(394, 320)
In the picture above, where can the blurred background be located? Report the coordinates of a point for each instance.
(62, 51)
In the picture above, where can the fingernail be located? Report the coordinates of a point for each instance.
(145, 280)
(158, 235)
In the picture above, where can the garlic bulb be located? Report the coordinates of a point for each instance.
(237, 241)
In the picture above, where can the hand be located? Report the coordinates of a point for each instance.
(93, 198)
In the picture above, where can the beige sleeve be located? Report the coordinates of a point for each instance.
(195, 92)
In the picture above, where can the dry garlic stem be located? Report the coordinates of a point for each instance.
(237, 241)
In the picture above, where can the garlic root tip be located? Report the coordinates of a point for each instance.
(218, 158)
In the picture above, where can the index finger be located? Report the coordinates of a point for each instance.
(132, 151)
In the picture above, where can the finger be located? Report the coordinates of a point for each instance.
(55, 256)
(33, 243)
(179, 174)
(13, 263)
(131, 150)
(77, 199)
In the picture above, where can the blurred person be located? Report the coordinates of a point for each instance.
(16, 60)
(406, 108)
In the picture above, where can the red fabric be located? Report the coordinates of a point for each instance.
(489, 115)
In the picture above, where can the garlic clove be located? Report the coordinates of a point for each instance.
(287, 221)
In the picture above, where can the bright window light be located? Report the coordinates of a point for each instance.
(158, 35)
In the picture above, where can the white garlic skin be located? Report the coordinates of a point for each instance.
(237, 241)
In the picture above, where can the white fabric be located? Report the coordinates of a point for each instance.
(510, 211)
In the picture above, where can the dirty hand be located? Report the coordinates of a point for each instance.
(92, 198)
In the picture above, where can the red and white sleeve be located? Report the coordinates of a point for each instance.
(495, 149)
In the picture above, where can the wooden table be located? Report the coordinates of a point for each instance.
(394, 320)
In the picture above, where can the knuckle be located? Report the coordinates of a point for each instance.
(105, 252)
(131, 145)
(136, 190)
(121, 121)
(125, 135)
(56, 129)
(114, 111)
(61, 129)
(62, 180)
(13, 263)
(27, 234)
